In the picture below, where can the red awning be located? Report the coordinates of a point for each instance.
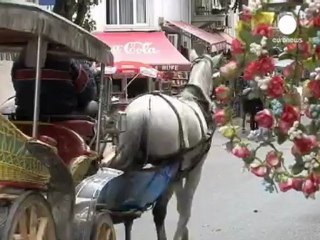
(217, 41)
(151, 48)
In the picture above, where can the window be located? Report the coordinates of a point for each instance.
(126, 12)
(207, 7)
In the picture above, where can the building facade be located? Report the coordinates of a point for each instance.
(148, 15)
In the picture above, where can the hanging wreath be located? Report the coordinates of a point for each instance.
(281, 120)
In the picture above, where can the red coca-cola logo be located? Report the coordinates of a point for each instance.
(136, 48)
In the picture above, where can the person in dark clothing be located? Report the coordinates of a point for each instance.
(252, 102)
(66, 87)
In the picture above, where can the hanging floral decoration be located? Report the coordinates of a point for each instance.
(281, 122)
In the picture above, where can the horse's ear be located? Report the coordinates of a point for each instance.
(193, 55)
(217, 59)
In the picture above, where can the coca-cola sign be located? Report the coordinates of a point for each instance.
(145, 48)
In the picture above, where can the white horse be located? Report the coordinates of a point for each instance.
(162, 128)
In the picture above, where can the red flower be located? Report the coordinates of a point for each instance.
(263, 29)
(264, 118)
(316, 21)
(273, 159)
(297, 184)
(276, 87)
(241, 151)
(237, 47)
(317, 50)
(314, 87)
(305, 144)
(221, 117)
(302, 47)
(265, 65)
(288, 117)
(222, 93)
(260, 171)
(250, 71)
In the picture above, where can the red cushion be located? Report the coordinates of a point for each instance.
(82, 127)
(48, 140)
(69, 144)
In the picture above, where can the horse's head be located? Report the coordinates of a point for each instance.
(203, 69)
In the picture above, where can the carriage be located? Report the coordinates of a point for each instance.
(51, 183)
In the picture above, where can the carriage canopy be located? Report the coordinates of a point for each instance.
(21, 23)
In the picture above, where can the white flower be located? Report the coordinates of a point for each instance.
(263, 41)
(307, 165)
(263, 82)
(313, 154)
(296, 124)
(256, 49)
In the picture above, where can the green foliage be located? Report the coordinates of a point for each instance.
(77, 11)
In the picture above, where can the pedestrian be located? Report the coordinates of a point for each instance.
(252, 102)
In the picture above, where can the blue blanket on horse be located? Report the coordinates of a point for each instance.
(65, 87)
(137, 190)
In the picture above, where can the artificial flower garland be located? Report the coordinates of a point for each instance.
(281, 119)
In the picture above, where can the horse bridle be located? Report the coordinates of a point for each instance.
(200, 58)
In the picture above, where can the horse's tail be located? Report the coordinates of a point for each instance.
(133, 143)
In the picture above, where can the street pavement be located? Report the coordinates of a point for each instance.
(232, 205)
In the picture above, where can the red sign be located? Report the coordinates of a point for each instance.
(152, 48)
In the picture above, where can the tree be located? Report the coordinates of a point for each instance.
(77, 11)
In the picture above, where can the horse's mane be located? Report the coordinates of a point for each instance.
(195, 93)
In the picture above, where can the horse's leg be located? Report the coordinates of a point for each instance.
(128, 229)
(160, 212)
(185, 194)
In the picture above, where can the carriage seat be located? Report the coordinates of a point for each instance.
(83, 127)
(69, 144)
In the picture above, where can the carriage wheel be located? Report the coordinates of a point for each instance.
(30, 218)
(103, 228)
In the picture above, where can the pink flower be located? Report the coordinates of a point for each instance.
(286, 186)
(309, 187)
(223, 93)
(273, 159)
(292, 183)
(221, 117)
(241, 151)
(264, 118)
(260, 171)
(229, 70)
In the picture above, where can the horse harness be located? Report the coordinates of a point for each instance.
(199, 150)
